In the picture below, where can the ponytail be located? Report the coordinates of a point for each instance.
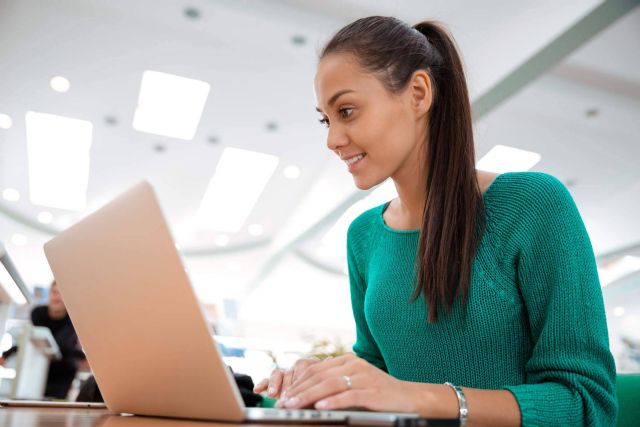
(453, 210)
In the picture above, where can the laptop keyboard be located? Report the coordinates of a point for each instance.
(299, 414)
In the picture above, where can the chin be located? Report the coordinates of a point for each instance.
(365, 184)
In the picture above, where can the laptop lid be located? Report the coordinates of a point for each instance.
(136, 314)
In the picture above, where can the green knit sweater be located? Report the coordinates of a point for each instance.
(534, 323)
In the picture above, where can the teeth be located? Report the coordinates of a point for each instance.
(354, 159)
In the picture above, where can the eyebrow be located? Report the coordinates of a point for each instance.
(335, 97)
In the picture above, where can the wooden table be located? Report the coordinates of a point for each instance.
(62, 417)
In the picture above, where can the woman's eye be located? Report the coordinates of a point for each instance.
(346, 112)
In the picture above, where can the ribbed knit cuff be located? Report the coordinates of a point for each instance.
(547, 404)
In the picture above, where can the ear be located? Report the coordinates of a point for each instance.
(420, 92)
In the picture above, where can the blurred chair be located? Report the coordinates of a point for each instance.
(628, 390)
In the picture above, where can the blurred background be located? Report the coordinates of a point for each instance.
(212, 102)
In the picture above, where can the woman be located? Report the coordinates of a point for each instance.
(473, 294)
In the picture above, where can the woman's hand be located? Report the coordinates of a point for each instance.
(347, 382)
(280, 379)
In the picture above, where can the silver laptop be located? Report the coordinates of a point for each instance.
(140, 323)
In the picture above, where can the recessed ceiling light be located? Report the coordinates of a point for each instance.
(618, 311)
(192, 13)
(291, 172)
(592, 112)
(111, 120)
(272, 126)
(213, 139)
(58, 153)
(170, 105)
(508, 159)
(19, 239)
(11, 194)
(159, 148)
(60, 84)
(45, 217)
(256, 230)
(5, 121)
(222, 240)
(230, 195)
(298, 40)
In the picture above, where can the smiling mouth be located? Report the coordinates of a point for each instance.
(354, 159)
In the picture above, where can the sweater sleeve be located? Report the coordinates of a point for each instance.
(570, 376)
(365, 345)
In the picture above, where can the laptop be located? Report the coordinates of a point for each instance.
(142, 327)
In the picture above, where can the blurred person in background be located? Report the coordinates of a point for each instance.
(55, 317)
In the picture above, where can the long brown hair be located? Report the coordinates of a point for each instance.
(453, 217)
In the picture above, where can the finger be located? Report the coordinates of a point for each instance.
(275, 383)
(290, 377)
(348, 399)
(261, 386)
(329, 386)
(347, 366)
(287, 380)
(316, 387)
(301, 366)
(322, 366)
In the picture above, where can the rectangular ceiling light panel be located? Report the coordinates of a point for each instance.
(508, 159)
(234, 189)
(58, 150)
(170, 105)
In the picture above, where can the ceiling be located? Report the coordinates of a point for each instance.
(581, 115)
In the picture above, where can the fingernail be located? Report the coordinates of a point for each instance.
(322, 404)
(284, 393)
(280, 403)
(272, 391)
(292, 402)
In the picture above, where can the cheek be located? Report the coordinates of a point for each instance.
(388, 138)
(391, 136)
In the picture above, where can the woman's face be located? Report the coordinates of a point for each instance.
(375, 132)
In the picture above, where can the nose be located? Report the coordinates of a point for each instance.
(336, 139)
